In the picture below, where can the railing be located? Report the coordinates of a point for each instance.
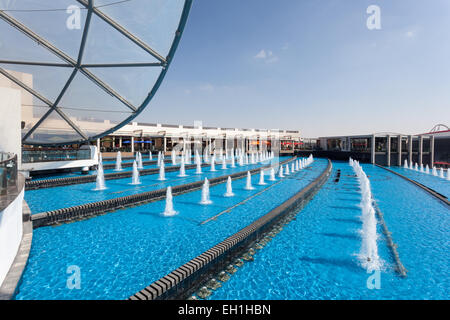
(29, 156)
(8, 172)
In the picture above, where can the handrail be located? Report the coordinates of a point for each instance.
(9, 155)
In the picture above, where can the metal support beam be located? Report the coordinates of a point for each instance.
(34, 63)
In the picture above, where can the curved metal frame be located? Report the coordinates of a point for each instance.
(78, 66)
(437, 128)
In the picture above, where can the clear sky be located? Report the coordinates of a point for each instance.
(311, 65)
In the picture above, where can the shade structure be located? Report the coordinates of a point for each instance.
(86, 67)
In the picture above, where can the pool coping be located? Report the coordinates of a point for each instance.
(418, 184)
(92, 209)
(10, 285)
(180, 281)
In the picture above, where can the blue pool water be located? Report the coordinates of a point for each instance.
(72, 195)
(122, 252)
(314, 256)
(438, 184)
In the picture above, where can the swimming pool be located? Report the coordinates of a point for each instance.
(47, 199)
(122, 252)
(438, 184)
(314, 256)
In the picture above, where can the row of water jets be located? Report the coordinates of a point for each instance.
(421, 168)
(368, 255)
(243, 160)
(205, 194)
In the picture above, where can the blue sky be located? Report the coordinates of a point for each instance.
(311, 65)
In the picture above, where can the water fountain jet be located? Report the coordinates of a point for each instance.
(248, 185)
(205, 193)
(100, 181)
(135, 177)
(169, 211)
(229, 192)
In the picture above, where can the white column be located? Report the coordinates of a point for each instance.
(10, 107)
(132, 144)
(420, 150)
(372, 150)
(431, 151)
(388, 149)
(165, 145)
(410, 148)
(399, 151)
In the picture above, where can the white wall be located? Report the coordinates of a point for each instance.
(10, 234)
(10, 118)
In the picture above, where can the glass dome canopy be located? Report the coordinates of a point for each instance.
(86, 67)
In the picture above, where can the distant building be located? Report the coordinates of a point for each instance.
(387, 148)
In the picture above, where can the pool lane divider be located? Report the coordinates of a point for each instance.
(423, 187)
(88, 210)
(185, 280)
(51, 183)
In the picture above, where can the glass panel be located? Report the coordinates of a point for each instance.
(59, 22)
(106, 45)
(31, 114)
(48, 81)
(16, 46)
(154, 22)
(133, 83)
(54, 129)
(88, 106)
